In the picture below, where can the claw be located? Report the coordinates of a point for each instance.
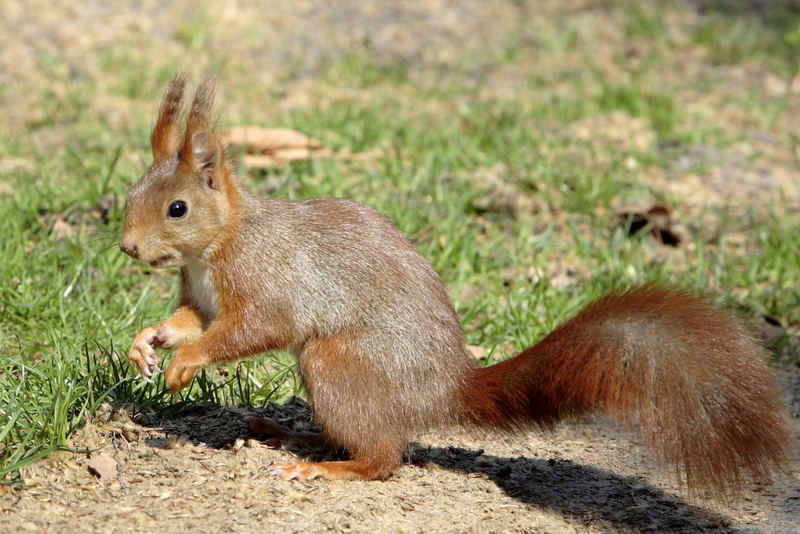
(143, 354)
(152, 359)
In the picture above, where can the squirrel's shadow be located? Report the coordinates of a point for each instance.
(585, 493)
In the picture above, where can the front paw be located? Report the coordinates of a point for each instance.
(166, 337)
(143, 354)
(182, 368)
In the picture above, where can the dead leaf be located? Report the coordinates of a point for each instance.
(102, 465)
(656, 219)
(270, 147)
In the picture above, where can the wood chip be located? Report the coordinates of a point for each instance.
(102, 465)
(272, 147)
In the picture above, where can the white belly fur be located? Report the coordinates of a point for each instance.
(201, 289)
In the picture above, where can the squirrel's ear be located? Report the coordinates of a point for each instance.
(206, 156)
(202, 149)
(166, 136)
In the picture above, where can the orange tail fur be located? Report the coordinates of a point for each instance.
(686, 371)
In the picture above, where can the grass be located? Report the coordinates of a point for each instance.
(772, 36)
(501, 192)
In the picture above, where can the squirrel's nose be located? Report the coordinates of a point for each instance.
(129, 248)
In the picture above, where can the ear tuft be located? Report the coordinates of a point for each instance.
(202, 106)
(166, 137)
(202, 149)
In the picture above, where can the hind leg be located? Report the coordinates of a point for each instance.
(377, 465)
(357, 408)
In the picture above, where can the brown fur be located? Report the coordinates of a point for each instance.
(686, 371)
(379, 345)
(166, 136)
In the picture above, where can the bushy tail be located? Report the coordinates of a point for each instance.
(691, 377)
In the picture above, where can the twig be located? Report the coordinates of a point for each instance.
(119, 464)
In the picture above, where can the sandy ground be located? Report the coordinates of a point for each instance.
(206, 472)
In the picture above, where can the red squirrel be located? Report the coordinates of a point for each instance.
(380, 348)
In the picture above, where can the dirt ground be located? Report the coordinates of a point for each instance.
(205, 472)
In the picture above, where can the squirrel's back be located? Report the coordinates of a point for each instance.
(340, 264)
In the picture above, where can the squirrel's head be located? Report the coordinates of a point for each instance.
(185, 199)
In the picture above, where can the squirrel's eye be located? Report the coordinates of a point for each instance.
(177, 209)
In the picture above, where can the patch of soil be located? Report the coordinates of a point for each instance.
(206, 472)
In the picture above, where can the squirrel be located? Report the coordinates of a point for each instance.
(380, 348)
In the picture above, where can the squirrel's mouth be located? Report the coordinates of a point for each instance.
(159, 262)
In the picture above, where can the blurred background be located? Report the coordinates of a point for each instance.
(681, 77)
